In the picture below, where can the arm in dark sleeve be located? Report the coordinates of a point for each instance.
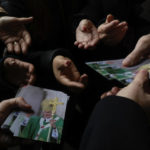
(116, 123)
(92, 10)
(42, 61)
(15, 8)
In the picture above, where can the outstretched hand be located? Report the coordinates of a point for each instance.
(14, 34)
(114, 90)
(86, 35)
(6, 107)
(68, 75)
(141, 50)
(139, 90)
(112, 31)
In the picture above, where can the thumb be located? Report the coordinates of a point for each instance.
(133, 58)
(140, 50)
(109, 18)
(141, 78)
(25, 20)
(84, 79)
(66, 63)
(22, 104)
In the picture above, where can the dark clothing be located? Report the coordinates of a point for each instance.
(49, 30)
(117, 123)
(48, 33)
(127, 10)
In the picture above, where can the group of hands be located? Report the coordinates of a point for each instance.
(17, 40)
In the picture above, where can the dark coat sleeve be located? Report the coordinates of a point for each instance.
(116, 123)
(14, 7)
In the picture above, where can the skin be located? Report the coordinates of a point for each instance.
(86, 35)
(113, 91)
(111, 32)
(6, 107)
(138, 91)
(23, 73)
(141, 50)
(14, 34)
(68, 75)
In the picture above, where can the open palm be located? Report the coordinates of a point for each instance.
(86, 35)
(14, 34)
(68, 75)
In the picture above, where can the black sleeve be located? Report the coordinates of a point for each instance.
(42, 60)
(15, 8)
(92, 10)
(116, 123)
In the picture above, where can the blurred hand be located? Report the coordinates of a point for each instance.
(112, 31)
(86, 35)
(68, 75)
(139, 90)
(141, 50)
(6, 107)
(113, 91)
(14, 34)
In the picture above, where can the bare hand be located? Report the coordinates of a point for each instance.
(6, 107)
(113, 91)
(86, 35)
(67, 74)
(141, 50)
(14, 34)
(112, 31)
(138, 90)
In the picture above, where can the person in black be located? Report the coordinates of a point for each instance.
(121, 121)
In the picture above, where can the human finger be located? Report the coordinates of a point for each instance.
(76, 43)
(80, 45)
(23, 46)
(27, 37)
(84, 79)
(141, 78)
(17, 48)
(109, 26)
(24, 20)
(103, 95)
(133, 58)
(93, 42)
(109, 18)
(12, 39)
(21, 103)
(115, 90)
(122, 24)
(10, 47)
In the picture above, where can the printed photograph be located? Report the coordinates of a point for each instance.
(113, 69)
(46, 122)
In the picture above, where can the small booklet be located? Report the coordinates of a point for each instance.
(46, 122)
(113, 69)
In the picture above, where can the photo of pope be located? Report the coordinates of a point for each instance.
(47, 127)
